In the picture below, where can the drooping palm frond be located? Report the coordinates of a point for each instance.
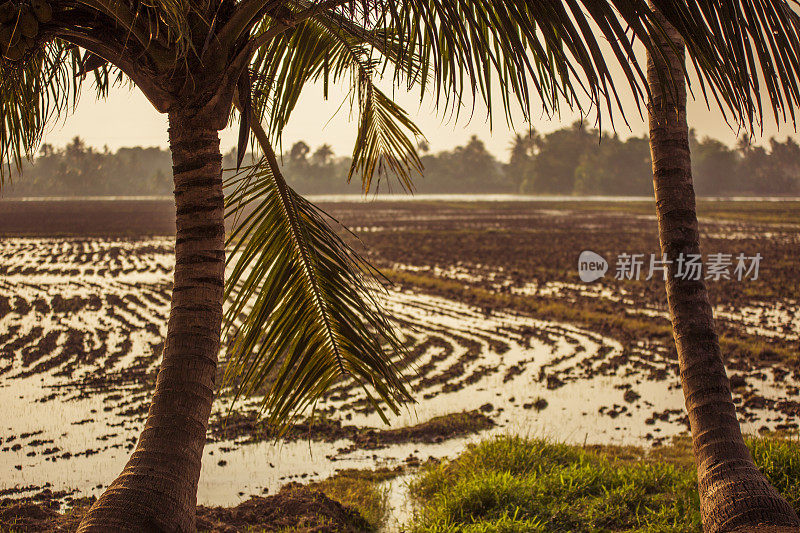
(564, 48)
(326, 53)
(742, 50)
(382, 136)
(302, 307)
(452, 50)
(464, 50)
(40, 82)
(42, 90)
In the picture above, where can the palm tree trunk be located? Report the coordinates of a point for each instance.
(733, 493)
(157, 490)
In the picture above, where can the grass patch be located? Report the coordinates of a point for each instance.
(779, 459)
(514, 484)
(361, 490)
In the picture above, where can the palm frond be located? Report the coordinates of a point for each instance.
(563, 52)
(42, 88)
(471, 50)
(742, 50)
(162, 28)
(333, 52)
(283, 68)
(302, 308)
(383, 145)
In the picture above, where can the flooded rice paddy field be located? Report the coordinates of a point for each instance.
(486, 293)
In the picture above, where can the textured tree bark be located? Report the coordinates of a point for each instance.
(157, 490)
(733, 492)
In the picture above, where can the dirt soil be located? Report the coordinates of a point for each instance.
(251, 428)
(89, 314)
(294, 508)
(120, 217)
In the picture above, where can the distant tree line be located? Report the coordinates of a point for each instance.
(80, 170)
(581, 161)
(575, 160)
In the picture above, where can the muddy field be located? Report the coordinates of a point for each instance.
(488, 293)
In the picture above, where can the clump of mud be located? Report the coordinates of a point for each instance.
(295, 506)
(436, 430)
(31, 516)
(248, 426)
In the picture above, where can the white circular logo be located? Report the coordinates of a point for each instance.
(591, 266)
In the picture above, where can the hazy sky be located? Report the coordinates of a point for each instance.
(127, 119)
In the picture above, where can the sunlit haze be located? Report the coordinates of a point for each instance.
(127, 119)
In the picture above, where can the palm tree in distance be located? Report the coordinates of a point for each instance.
(522, 153)
(301, 314)
(323, 155)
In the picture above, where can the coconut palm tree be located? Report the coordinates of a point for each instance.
(300, 311)
(520, 165)
(733, 492)
(322, 156)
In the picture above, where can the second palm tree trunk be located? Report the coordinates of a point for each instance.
(157, 490)
(734, 495)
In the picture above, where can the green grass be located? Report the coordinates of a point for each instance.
(514, 484)
(361, 490)
(779, 459)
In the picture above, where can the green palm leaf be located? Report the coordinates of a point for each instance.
(330, 51)
(303, 312)
(558, 52)
(44, 89)
(383, 145)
